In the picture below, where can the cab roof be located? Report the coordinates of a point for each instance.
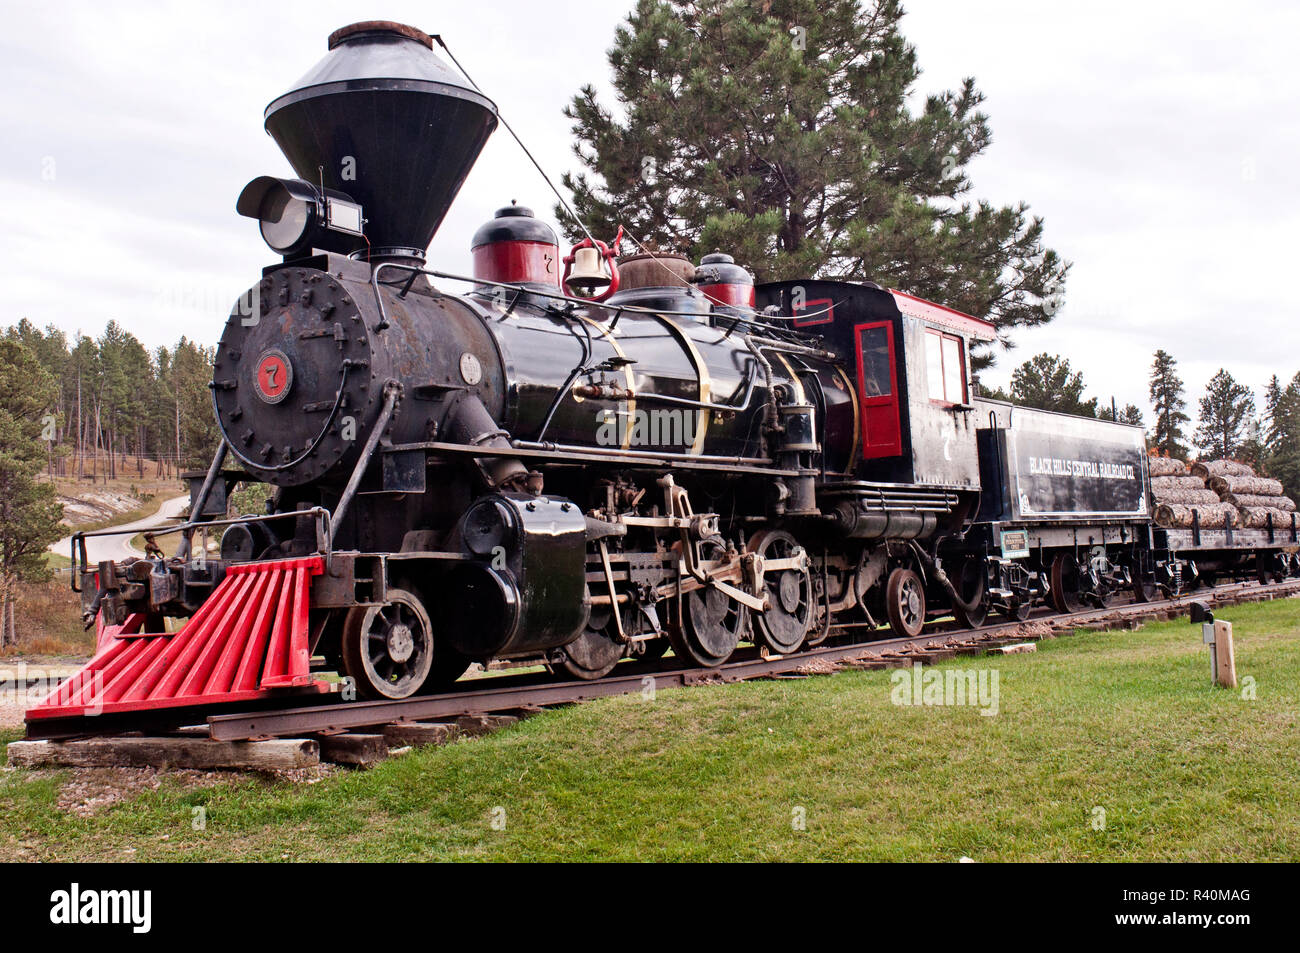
(939, 314)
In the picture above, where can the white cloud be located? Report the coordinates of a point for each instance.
(1155, 139)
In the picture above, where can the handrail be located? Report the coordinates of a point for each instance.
(319, 513)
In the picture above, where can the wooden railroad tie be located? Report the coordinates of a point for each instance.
(202, 754)
(420, 734)
(353, 748)
(472, 726)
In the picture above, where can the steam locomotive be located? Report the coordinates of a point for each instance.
(583, 457)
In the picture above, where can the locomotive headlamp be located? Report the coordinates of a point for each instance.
(296, 216)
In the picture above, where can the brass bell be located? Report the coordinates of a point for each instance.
(589, 276)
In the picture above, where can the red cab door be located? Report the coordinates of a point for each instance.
(878, 390)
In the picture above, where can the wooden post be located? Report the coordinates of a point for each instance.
(1225, 663)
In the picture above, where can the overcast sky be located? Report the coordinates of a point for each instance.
(1156, 139)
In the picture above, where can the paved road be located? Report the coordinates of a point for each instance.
(99, 548)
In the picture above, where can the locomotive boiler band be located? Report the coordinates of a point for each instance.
(581, 458)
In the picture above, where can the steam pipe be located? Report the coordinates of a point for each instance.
(392, 393)
(196, 510)
(942, 578)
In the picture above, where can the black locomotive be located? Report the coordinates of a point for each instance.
(585, 458)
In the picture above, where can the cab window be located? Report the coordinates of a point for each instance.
(877, 364)
(945, 367)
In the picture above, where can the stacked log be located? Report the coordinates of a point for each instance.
(1241, 484)
(1188, 490)
(1161, 484)
(1257, 517)
(1259, 500)
(1210, 515)
(1205, 469)
(1245, 500)
(1177, 493)
(1167, 466)
(1189, 497)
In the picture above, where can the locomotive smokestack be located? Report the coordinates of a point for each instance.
(384, 120)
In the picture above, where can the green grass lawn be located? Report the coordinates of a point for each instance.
(1122, 721)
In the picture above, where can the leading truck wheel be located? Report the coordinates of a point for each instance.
(388, 650)
(905, 603)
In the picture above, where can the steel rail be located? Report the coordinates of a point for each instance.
(323, 713)
(331, 718)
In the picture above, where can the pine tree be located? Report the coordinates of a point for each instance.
(1253, 449)
(191, 372)
(1048, 383)
(1282, 456)
(1130, 414)
(84, 368)
(1167, 396)
(1274, 397)
(1226, 409)
(781, 132)
(29, 512)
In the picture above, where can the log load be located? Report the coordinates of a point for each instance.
(1162, 484)
(1220, 468)
(1167, 466)
(1212, 515)
(1257, 517)
(1248, 485)
(1242, 500)
(1188, 496)
(1257, 500)
(1183, 489)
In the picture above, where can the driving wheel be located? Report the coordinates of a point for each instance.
(712, 622)
(791, 609)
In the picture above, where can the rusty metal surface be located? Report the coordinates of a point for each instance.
(379, 26)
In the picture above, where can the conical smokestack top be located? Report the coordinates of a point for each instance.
(386, 121)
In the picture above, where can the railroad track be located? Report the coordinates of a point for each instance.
(361, 732)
